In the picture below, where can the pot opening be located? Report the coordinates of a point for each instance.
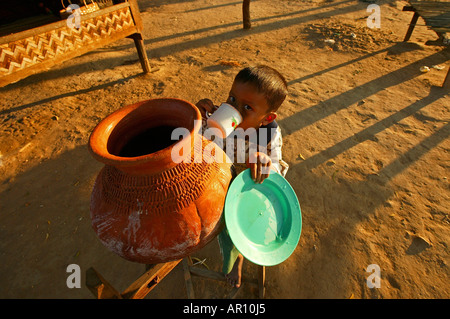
(150, 141)
(148, 127)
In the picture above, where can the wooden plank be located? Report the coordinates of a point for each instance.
(98, 285)
(188, 280)
(233, 293)
(437, 5)
(205, 273)
(144, 284)
(408, 8)
(214, 275)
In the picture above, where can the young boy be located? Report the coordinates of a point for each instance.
(257, 93)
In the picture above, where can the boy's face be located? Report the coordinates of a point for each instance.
(251, 104)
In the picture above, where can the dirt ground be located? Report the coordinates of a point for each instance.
(365, 133)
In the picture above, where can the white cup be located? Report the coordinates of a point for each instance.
(226, 118)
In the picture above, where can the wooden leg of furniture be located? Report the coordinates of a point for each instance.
(139, 43)
(246, 14)
(411, 27)
(188, 279)
(137, 290)
(101, 288)
(140, 288)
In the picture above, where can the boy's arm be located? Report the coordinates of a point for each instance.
(260, 165)
(275, 154)
(268, 158)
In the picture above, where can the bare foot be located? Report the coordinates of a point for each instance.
(234, 276)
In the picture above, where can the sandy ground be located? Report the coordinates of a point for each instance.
(365, 134)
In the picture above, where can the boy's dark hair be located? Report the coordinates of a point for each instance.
(268, 81)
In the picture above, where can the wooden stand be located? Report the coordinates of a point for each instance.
(435, 15)
(102, 289)
(189, 270)
(412, 24)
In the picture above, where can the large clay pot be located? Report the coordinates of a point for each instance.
(146, 207)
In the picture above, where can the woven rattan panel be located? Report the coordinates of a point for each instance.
(55, 44)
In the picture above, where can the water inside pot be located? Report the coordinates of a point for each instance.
(150, 141)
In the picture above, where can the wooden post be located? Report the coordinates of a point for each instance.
(99, 286)
(411, 26)
(188, 279)
(137, 37)
(134, 7)
(246, 14)
(139, 43)
(144, 284)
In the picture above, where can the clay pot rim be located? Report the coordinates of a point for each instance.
(98, 146)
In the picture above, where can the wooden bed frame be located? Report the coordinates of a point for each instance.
(31, 51)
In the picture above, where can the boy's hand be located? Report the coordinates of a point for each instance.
(259, 164)
(205, 105)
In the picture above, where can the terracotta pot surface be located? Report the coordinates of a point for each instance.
(146, 207)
